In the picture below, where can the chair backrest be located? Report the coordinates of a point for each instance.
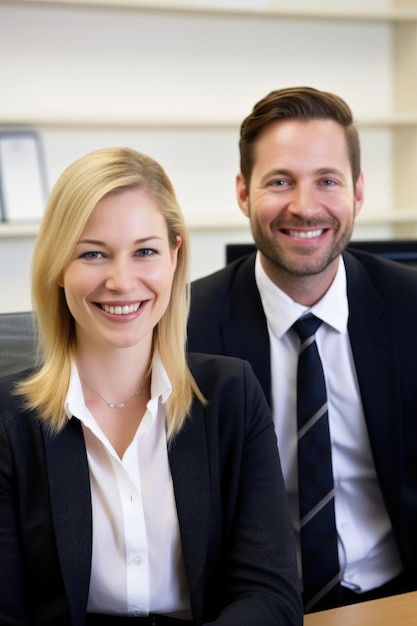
(18, 346)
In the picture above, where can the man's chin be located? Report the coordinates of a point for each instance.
(300, 265)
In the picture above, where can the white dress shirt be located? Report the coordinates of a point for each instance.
(367, 549)
(137, 564)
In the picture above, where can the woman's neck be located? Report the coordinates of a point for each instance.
(115, 375)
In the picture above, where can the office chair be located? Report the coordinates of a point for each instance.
(18, 345)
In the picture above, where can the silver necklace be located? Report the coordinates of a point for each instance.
(113, 405)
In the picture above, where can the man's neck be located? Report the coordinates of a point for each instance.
(306, 290)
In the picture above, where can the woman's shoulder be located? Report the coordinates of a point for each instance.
(202, 362)
(10, 402)
(9, 381)
(212, 371)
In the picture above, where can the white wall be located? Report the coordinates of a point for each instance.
(86, 78)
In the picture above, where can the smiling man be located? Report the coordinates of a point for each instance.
(301, 202)
(301, 186)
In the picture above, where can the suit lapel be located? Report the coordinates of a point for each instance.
(68, 478)
(373, 346)
(245, 331)
(190, 473)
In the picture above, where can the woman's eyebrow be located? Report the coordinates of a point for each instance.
(99, 242)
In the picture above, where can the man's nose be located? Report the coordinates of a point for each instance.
(303, 202)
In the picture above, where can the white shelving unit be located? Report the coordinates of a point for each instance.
(175, 79)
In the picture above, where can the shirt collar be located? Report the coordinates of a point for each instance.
(333, 307)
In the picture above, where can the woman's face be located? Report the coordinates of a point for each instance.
(118, 281)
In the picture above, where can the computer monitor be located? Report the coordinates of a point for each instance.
(401, 250)
(236, 250)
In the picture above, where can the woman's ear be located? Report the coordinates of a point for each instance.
(174, 251)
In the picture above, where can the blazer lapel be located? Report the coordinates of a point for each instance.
(245, 331)
(373, 346)
(68, 477)
(190, 473)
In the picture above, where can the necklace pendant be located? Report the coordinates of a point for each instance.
(113, 405)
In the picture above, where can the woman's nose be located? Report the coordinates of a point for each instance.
(121, 276)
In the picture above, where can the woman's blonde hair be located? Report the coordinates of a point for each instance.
(80, 187)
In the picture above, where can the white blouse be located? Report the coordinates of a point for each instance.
(137, 564)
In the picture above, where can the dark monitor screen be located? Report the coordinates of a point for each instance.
(401, 250)
(236, 250)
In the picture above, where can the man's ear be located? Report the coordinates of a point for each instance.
(242, 194)
(359, 193)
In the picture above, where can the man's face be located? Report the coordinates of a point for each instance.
(302, 201)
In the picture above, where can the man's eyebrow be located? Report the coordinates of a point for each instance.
(282, 171)
(329, 170)
(279, 170)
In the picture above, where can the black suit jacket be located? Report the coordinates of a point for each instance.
(236, 532)
(227, 318)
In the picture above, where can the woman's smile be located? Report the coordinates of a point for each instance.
(118, 282)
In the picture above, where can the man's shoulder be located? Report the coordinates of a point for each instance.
(382, 272)
(216, 372)
(394, 282)
(220, 284)
(227, 274)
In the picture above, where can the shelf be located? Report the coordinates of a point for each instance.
(27, 230)
(396, 216)
(252, 8)
(368, 217)
(12, 231)
(183, 123)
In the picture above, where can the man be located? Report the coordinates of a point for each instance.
(301, 187)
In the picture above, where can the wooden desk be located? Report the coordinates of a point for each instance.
(398, 610)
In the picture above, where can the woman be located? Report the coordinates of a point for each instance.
(136, 482)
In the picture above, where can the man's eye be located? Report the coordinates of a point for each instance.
(279, 182)
(328, 182)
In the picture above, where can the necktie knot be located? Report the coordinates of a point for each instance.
(306, 326)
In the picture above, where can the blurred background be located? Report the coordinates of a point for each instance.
(174, 79)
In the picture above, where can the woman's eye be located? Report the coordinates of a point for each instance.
(92, 255)
(145, 252)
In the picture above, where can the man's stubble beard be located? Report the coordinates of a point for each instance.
(277, 257)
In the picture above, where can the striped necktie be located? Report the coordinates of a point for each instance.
(319, 555)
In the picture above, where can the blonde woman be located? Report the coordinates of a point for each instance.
(137, 482)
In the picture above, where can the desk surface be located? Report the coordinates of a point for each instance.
(392, 611)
